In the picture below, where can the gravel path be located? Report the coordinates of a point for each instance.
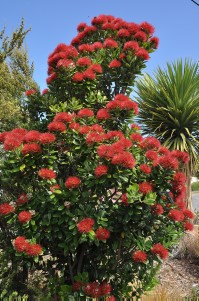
(195, 200)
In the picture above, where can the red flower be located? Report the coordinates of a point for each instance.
(81, 26)
(188, 214)
(141, 36)
(85, 225)
(102, 233)
(180, 204)
(47, 138)
(157, 209)
(3, 136)
(74, 126)
(142, 53)
(85, 113)
(181, 156)
(110, 43)
(136, 137)
(106, 288)
(145, 168)
(147, 27)
(56, 126)
(97, 45)
(139, 256)
(22, 199)
(72, 182)
(96, 68)
(123, 33)
(135, 127)
(132, 45)
(54, 187)
(45, 91)
(77, 286)
(176, 215)
(86, 48)
(78, 77)
(168, 161)
(163, 151)
(188, 226)
(83, 61)
(89, 74)
(124, 159)
(32, 136)
(124, 199)
(6, 208)
(145, 187)
(11, 143)
(63, 117)
(150, 143)
(46, 173)
(154, 42)
(160, 250)
(101, 170)
(151, 155)
(20, 244)
(24, 216)
(30, 92)
(103, 114)
(33, 249)
(115, 64)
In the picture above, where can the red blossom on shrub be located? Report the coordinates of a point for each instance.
(83, 61)
(111, 298)
(188, 213)
(115, 64)
(47, 174)
(85, 113)
(110, 43)
(142, 53)
(145, 187)
(154, 42)
(102, 233)
(103, 114)
(6, 208)
(46, 138)
(157, 209)
(78, 77)
(188, 226)
(147, 27)
(20, 244)
(85, 225)
(160, 250)
(31, 148)
(30, 92)
(32, 136)
(106, 288)
(72, 182)
(22, 199)
(101, 170)
(24, 216)
(33, 249)
(168, 161)
(145, 168)
(139, 256)
(132, 45)
(176, 215)
(56, 126)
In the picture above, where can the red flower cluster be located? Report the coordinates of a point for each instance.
(30, 92)
(157, 209)
(56, 126)
(145, 187)
(122, 102)
(31, 148)
(102, 233)
(136, 137)
(145, 168)
(47, 138)
(176, 215)
(24, 216)
(188, 226)
(160, 250)
(22, 245)
(85, 225)
(22, 199)
(101, 170)
(168, 161)
(47, 174)
(150, 143)
(124, 199)
(32, 136)
(72, 182)
(151, 155)
(6, 208)
(139, 256)
(64, 117)
(85, 113)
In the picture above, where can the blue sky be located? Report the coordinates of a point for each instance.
(54, 22)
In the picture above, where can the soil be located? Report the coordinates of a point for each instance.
(180, 276)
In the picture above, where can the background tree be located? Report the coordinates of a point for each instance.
(169, 109)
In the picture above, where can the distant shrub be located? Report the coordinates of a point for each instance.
(195, 186)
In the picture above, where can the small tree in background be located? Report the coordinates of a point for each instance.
(169, 107)
(103, 202)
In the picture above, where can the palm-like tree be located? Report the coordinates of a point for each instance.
(169, 109)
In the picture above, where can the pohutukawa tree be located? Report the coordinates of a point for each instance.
(104, 202)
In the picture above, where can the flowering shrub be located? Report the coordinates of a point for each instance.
(104, 202)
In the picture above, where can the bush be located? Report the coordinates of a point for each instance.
(195, 186)
(104, 203)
